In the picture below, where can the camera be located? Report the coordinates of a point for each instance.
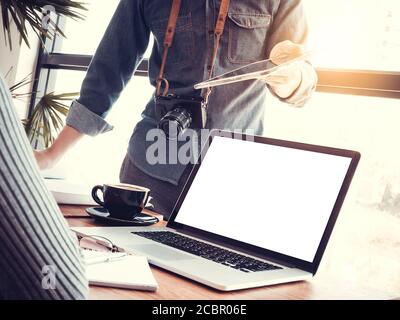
(176, 113)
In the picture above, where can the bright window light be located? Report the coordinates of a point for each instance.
(370, 215)
(356, 34)
(83, 37)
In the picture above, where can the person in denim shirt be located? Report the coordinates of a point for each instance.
(255, 30)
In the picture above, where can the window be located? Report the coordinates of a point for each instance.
(356, 34)
(91, 30)
(63, 69)
(356, 45)
(357, 48)
(100, 158)
(369, 222)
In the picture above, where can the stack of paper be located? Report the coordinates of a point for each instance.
(119, 270)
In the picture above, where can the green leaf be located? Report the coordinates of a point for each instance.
(23, 83)
(46, 120)
(30, 12)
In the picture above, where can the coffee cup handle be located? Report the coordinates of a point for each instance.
(94, 194)
(147, 199)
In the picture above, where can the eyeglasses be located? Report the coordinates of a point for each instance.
(97, 243)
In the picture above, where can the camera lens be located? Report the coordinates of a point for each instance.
(175, 122)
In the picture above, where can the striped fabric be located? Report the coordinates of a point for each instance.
(39, 258)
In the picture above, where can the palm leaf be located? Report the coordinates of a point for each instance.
(46, 120)
(23, 83)
(30, 12)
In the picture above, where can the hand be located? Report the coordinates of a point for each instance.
(45, 159)
(286, 80)
(285, 51)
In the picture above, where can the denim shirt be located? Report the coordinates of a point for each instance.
(252, 29)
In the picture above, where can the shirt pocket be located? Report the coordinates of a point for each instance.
(248, 37)
(182, 48)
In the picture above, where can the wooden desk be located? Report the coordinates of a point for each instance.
(327, 284)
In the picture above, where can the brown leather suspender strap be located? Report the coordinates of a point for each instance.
(169, 37)
(219, 29)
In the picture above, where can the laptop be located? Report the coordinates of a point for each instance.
(254, 212)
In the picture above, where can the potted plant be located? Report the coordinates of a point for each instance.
(46, 118)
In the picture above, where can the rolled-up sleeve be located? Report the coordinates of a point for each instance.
(85, 121)
(116, 59)
(290, 23)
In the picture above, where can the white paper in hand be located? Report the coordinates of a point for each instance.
(253, 71)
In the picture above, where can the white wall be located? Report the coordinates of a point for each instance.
(8, 57)
(21, 60)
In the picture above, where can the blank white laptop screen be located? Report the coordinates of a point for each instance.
(269, 196)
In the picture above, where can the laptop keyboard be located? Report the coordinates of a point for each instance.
(207, 251)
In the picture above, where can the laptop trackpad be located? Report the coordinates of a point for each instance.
(162, 252)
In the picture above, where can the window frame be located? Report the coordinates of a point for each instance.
(385, 84)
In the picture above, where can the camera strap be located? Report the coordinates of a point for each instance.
(169, 37)
(219, 30)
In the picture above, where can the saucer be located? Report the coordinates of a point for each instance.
(102, 215)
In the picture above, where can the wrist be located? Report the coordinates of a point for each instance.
(54, 153)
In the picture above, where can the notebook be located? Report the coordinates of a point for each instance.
(119, 270)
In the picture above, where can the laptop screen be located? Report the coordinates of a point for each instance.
(273, 197)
